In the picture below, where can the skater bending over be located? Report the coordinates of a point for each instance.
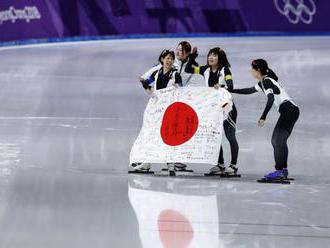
(288, 109)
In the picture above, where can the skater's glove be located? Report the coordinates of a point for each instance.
(144, 83)
(261, 123)
(193, 55)
(216, 86)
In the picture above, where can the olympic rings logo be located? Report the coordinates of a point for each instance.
(299, 11)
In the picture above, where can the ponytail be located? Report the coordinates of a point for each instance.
(271, 74)
(262, 66)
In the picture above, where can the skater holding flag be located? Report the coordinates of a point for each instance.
(217, 74)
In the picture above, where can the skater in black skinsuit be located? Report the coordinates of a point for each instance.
(289, 114)
(166, 76)
(217, 74)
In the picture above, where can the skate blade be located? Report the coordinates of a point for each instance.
(289, 179)
(221, 175)
(178, 170)
(280, 181)
(141, 172)
(211, 175)
(230, 175)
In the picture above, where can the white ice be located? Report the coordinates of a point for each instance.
(70, 113)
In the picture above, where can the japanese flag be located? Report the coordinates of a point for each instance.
(182, 125)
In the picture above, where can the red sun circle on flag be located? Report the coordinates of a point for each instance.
(179, 124)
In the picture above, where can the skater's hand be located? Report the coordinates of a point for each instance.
(149, 91)
(194, 52)
(176, 85)
(261, 123)
(216, 86)
(152, 94)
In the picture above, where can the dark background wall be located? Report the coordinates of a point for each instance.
(36, 19)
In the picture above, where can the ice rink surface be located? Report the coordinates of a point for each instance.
(70, 113)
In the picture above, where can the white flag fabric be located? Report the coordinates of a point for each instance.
(182, 125)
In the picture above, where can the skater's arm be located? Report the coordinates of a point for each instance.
(178, 80)
(145, 85)
(192, 57)
(147, 82)
(229, 79)
(245, 91)
(148, 74)
(270, 96)
(192, 66)
(269, 105)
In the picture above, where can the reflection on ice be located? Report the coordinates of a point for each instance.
(168, 218)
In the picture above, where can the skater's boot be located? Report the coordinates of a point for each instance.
(217, 170)
(180, 167)
(231, 170)
(276, 175)
(171, 169)
(141, 167)
(285, 173)
(135, 164)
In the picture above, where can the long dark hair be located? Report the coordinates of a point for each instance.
(185, 45)
(222, 57)
(262, 66)
(164, 53)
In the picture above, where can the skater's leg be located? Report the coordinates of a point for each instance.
(283, 129)
(221, 160)
(229, 126)
(171, 169)
(230, 132)
(279, 143)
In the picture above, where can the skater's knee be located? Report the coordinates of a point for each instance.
(277, 139)
(274, 141)
(231, 137)
(278, 142)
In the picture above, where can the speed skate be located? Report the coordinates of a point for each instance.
(286, 180)
(225, 175)
(140, 168)
(179, 167)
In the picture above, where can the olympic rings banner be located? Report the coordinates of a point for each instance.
(37, 19)
(182, 125)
